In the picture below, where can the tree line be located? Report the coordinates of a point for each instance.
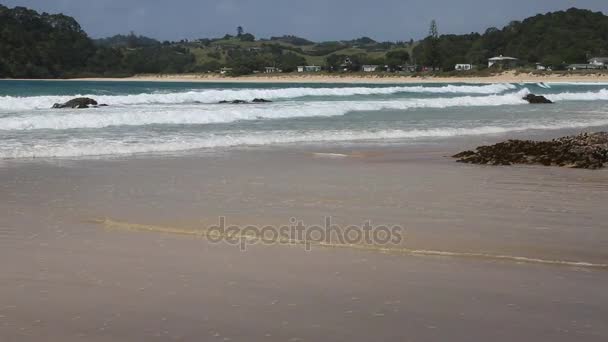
(34, 45)
(553, 39)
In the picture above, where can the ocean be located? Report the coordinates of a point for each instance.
(154, 117)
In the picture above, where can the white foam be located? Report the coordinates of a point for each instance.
(210, 114)
(80, 147)
(215, 95)
(543, 85)
(579, 83)
(601, 95)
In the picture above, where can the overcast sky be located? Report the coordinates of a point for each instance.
(313, 19)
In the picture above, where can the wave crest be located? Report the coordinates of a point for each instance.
(177, 143)
(213, 114)
(215, 95)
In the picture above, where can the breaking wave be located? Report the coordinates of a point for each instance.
(214, 95)
(177, 143)
(212, 114)
(588, 96)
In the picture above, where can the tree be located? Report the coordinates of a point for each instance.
(396, 58)
(433, 32)
(334, 61)
(239, 31)
(247, 37)
(433, 55)
(289, 62)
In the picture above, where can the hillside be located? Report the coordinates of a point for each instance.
(555, 39)
(127, 41)
(41, 45)
(34, 45)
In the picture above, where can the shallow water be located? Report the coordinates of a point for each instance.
(146, 117)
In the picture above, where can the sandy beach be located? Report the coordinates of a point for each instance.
(437, 172)
(507, 77)
(68, 275)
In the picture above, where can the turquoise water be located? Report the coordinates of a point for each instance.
(150, 117)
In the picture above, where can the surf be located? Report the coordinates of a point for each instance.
(216, 95)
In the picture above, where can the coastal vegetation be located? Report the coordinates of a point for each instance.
(554, 39)
(34, 45)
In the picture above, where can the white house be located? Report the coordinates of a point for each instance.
(369, 68)
(463, 67)
(574, 67)
(600, 61)
(309, 68)
(271, 70)
(502, 62)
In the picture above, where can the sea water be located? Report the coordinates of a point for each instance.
(155, 117)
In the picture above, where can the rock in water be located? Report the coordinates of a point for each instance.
(81, 102)
(233, 102)
(536, 99)
(586, 151)
(244, 102)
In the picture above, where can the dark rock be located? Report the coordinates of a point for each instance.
(233, 102)
(586, 150)
(536, 99)
(81, 102)
(243, 101)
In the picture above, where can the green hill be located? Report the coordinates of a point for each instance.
(555, 38)
(41, 45)
(34, 45)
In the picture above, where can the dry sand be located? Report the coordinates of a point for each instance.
(507, 77)
(67, 278)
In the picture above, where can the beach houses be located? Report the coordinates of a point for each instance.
(369, 68)
(224, 71)
(309, 68)
(599, 61)
(272, 70)
(463, 67)
(346, 65)
(502, 62)
(574, 67)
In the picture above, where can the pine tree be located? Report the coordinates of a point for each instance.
(433, 54)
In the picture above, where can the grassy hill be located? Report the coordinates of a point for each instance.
(556, 39)
(35, 45)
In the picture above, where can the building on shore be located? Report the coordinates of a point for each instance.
(463, 67)
(410, 68)
(309, 68)
(346, 65)
(599, 61)
(502, 62)
(574, 67)
(224, 71)
(369, 68)
(272, 70)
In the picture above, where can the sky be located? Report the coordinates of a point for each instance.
(313, 19)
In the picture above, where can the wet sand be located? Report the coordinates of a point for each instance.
(67, 278)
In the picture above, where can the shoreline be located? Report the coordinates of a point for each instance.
(480, 244)
(507, 77)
